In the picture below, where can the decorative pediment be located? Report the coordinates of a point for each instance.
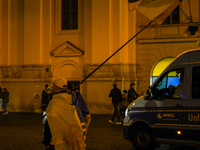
(67, 50)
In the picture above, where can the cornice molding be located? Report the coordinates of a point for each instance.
(168, 40)
(67, 50)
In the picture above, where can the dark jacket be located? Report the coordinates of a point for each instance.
(132, 95)
(47, 134)
(116, 95)
(46, 97)
(1, 93)
(124, 103)
(6, 96)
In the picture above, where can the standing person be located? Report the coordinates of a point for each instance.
(178, 93)
(5, 100)
(116, 95)
(63, 130)
(1, 99)
(46, 97)
(123, 105)
(132, 94)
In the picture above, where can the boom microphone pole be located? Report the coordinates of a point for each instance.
(114, 54)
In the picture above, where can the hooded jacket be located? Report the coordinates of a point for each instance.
(64, 123)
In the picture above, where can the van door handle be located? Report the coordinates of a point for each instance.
(178, 106)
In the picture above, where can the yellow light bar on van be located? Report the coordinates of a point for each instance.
(179, 132)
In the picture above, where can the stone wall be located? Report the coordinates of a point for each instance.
(25, 85)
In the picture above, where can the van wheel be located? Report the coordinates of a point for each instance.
(142, 138)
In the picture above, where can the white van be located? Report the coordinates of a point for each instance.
(169, 112)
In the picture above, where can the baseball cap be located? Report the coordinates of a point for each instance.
(60, 82)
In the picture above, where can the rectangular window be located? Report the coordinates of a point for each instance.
(173, 18)
(69, 14)
(196, 82)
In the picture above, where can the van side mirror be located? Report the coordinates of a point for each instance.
(147, 95)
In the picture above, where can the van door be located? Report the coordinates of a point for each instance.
(170, 98)
(193, 105)
(194, 100)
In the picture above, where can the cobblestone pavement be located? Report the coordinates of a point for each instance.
(23, 131)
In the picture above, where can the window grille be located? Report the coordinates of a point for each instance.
(69, 14)
(174, 17)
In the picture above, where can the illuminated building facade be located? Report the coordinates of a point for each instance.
(40, 39)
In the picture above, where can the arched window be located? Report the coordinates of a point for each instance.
(159, 67)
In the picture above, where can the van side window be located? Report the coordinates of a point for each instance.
(170, 85)
(196, 82)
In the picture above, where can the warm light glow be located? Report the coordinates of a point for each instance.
(161, 65)
(179, 132)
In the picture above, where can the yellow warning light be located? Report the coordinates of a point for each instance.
(178, 132)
